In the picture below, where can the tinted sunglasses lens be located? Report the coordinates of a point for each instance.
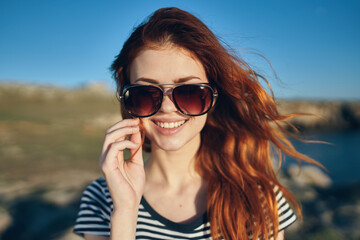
(142, 101)
(193, 99)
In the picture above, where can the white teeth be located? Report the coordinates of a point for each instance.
(169, 125)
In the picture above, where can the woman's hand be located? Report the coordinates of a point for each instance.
(125, 179)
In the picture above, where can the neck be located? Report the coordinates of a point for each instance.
(173, 168)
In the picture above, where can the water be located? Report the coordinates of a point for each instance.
(341, 157)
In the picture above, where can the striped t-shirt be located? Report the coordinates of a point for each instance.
(96, 207)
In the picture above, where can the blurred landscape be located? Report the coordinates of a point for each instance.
(50, 140)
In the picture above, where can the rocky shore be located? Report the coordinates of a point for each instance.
(329, 211)
(323, 115)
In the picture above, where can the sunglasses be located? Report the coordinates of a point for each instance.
(189, 99)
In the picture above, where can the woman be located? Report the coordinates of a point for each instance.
(210, 126)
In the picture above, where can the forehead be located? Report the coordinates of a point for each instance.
(166, 65)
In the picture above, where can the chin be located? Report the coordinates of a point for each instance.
(167, 145)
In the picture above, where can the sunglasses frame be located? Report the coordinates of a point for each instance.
(169, 92)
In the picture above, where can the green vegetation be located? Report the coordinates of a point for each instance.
(49, 129)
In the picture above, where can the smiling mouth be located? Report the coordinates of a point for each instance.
(169, 125)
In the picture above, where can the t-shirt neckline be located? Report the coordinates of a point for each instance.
(180, 227)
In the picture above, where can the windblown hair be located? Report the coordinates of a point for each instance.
(245, 121)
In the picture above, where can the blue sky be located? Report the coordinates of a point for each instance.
(313, 45)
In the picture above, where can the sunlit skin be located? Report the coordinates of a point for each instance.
(172, 187)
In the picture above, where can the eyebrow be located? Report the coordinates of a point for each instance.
(153, 81)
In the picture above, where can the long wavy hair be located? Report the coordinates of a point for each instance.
(244, 121)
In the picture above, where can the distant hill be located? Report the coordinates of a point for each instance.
(330, 115)
(327, 115)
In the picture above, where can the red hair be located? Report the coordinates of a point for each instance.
(245, 121)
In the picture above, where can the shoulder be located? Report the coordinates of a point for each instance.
(285, 213)
(100, 183)
(95, 209)
(98, 191)
(98, 186)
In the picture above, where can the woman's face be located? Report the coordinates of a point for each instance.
(169, 129)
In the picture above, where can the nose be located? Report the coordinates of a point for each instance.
(168, 104)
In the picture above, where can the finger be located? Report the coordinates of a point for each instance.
(123, 123)
(137, 153)
(118, 135)
(113, 158)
